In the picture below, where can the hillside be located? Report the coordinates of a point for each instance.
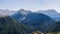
(10, 26)
(57, 27)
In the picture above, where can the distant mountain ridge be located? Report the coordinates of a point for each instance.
(52, 13)
(7, 12)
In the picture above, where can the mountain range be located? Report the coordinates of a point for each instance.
(26, 21)
(38, 21)
(7, 12)
(51, 13)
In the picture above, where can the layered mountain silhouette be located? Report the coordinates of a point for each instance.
(7, 12)
(26, 21)
(38, 21)
(52, 13)
(8, 25)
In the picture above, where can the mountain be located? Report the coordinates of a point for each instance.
(57, 27)
(25, 21)
(38, 21)
(21, 14)
(52, 13)
(6, 12)
(8, 25)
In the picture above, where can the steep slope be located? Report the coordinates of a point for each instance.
(10, 26)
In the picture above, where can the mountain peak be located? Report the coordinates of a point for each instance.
(52, 13)
(22, 10)
(47, 11)
(51, 10)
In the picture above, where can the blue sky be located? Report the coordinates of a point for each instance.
(33, 5)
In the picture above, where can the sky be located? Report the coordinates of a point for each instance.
(33, 5)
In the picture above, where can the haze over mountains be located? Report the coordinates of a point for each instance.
(26, 21)
(36, 20)
(51, 13)
(6, 12)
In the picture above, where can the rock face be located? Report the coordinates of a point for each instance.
(10, 26)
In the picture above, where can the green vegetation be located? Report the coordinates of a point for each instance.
(10, 26)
